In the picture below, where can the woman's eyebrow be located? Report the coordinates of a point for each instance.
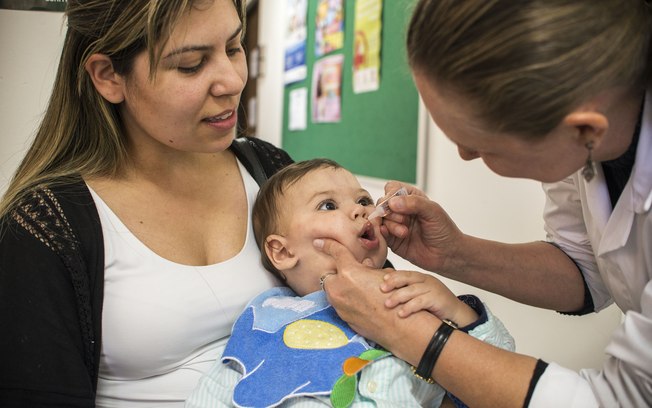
(194, 48)
(236, 32)
(189, 48)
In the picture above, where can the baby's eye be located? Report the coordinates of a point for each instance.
(327, 205)
(365, 201)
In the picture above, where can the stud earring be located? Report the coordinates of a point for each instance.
(588, 172)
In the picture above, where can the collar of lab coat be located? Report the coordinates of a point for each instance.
(636, 197)
(642, 171)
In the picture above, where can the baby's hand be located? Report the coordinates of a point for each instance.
(414, 291)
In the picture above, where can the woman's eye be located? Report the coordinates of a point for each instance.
(193, 68)
(234, 50)
(327, 206)
(234, 47)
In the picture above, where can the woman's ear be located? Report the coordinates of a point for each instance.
(590, 126)
(279, 253)
(108, 83)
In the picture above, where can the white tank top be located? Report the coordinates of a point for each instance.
(165, 324)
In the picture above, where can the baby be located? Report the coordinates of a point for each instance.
(289, 347)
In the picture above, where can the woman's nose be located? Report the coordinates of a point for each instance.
(230, 77)
(467, 154)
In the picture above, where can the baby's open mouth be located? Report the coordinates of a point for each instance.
(368, 237)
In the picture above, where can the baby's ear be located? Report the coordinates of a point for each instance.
(278, 253)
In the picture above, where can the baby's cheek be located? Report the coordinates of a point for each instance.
(384, 252)
(332, 230)
(327, 262)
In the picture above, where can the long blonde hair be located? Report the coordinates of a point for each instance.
(523, 65)
(81, 133)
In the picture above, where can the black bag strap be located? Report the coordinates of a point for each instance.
(244, 151)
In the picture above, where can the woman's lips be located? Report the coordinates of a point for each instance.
(223, 121)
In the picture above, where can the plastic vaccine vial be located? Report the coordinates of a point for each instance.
(383, 208)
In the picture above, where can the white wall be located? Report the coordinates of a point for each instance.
(481, 203)
(270, 83)
(30, 44)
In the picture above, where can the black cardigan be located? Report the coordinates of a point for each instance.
(51, 291)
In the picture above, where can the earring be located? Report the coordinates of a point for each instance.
(588, 172)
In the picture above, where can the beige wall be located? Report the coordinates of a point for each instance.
(480, 202)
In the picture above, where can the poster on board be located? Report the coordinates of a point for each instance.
(34, 5)
(367, 45)
(297, 109)
(295, 41)
(329, 26)
(327, 89)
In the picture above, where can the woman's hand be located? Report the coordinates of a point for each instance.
(420, 231)
(354, 291)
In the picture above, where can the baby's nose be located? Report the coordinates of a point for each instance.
(360, 211)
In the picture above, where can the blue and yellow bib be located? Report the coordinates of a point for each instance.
(289, 346)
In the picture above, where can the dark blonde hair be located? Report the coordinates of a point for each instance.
(269, 204)
(82, 133)
(524, 65)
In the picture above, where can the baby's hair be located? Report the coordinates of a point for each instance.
(268, 205)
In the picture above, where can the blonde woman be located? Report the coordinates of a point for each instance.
(555, 91)
(126, 250)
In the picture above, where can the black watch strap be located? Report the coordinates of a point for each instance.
(432, 352)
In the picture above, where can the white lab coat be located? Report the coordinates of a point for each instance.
(614, 251)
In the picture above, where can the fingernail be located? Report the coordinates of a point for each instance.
(318, 243)
(398, 203)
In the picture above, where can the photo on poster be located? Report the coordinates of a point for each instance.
(327, 89)
(329, 26)
(295, 41)
(367, 45)
(34, 5)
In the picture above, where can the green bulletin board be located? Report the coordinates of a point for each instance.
(378, 132)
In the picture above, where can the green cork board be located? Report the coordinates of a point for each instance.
(377, 135)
